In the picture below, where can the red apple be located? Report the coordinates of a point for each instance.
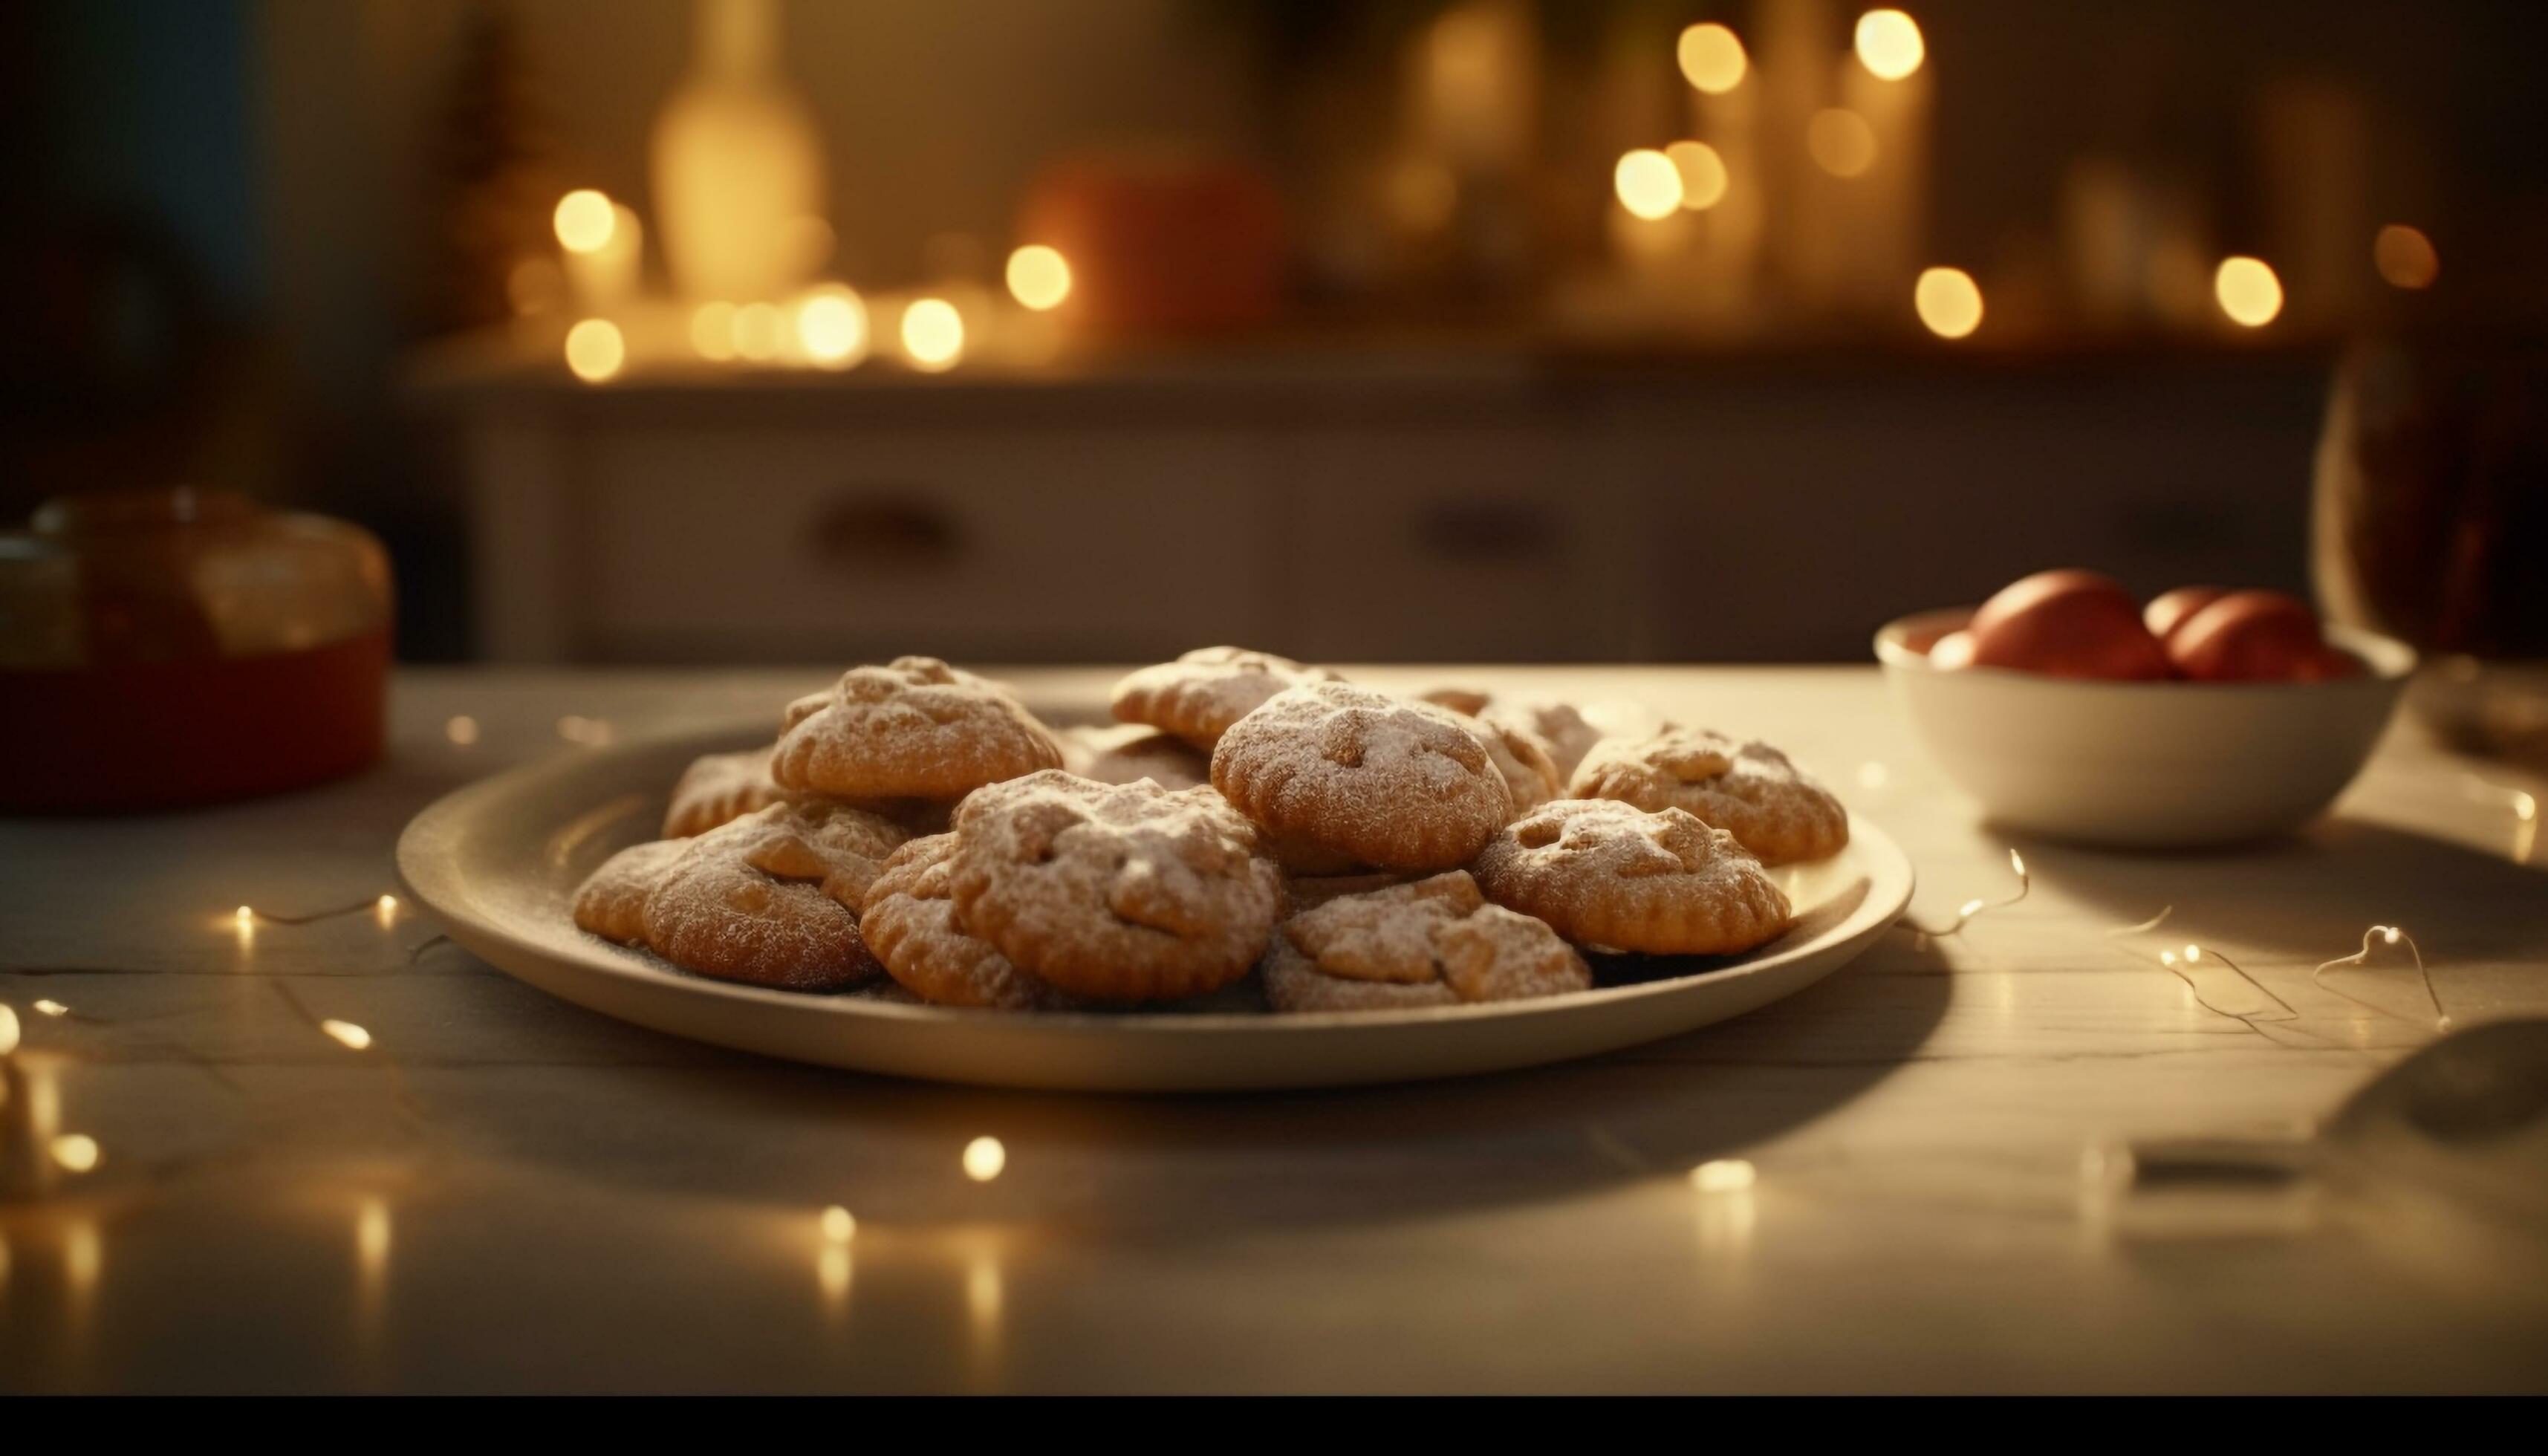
(2066, 624)
(2171, 610)
(2251, 637)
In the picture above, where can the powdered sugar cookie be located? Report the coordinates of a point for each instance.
(910, 924)
(611, 901)
(1749, 789)
(914, 728)
(1607, 873)
(716, 916)
(1429, 941)
(720, 788)
(1529, 775)
(1200, 694)
(829, 844)
(1118, 892)
(1557, 726)
(1383, 781)
(1128, 752)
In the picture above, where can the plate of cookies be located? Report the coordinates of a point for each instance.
(1259, 875)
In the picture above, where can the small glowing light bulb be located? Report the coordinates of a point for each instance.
(76, 1151)
(2167, 957)
(584, 221)
(461, 730)
(594, 350)
(832, 327)
(8, 1030)
(932, 334)
(2247, 291)
(2389, 933)
(51, 1008)
(1889, 44)
(1039, 277)
(346, 1031)
(2017, 862)
(984, 1157)
(1712, 58)
(1703, 178)
(1970, 909)
(838, 1224)
(385, 910)
(1648, 184)
(2193, 953)
(244, 915)
(1948, 301)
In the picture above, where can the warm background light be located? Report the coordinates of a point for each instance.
(1039, 277)
(1703, 178)
(984, 1157)
(712, 330)
(2249, 291)
(584, 221)
(1712, 58)
(594, 350)
(933, 334)
(1842, 142)
(832, 327)
(1889, 44)
(1949, 300)
(758, 331)
(1648, 183)
(2405, 256)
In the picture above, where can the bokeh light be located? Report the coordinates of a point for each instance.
(1703, 178)
(832, 327)
(712, 330)
(2247, 291)
(1842, 142)
(1889, 44)
(984, 1157)
(1039, 277)
(584, 221)
(932, 334)
(1648, 184)
(2405, 256)
(760, 331)
(594, 350)
(1712, 58)
(1949, 300)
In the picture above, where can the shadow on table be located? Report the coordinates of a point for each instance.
(2311, 895)
(739, 1127)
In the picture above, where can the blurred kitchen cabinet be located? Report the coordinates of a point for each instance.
(1476, 543)
(1340, 507)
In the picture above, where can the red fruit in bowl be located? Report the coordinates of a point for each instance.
(2252, 637)
(2171, 610)
(2066, 624)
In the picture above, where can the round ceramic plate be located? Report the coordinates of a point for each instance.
(498, 863)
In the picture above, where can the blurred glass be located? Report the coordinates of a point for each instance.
(2431, 526)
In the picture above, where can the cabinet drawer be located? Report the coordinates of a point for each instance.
(819, 545)
(1461, 546)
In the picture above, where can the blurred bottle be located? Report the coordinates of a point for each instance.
(2431, 526)
(738, 165)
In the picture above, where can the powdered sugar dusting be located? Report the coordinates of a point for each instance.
(1123, 893)
(910, 924)
(718, 788)
(915, 728)
(1399, 784)
(1200, 694)
(1750, 789)
(1609, 873)
(611, 902)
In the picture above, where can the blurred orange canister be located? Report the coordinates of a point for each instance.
(1160, 244)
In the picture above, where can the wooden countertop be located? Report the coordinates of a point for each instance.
(506, 1193)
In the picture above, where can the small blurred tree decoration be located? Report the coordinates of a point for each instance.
(495, 168)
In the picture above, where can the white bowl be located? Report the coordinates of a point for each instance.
(2151, 764)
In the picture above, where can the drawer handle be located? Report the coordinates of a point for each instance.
(1488, 530)
(888, 532)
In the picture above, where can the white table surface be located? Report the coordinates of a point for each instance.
(504, 1192)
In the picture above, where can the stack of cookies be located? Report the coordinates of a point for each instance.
(1254, 827)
